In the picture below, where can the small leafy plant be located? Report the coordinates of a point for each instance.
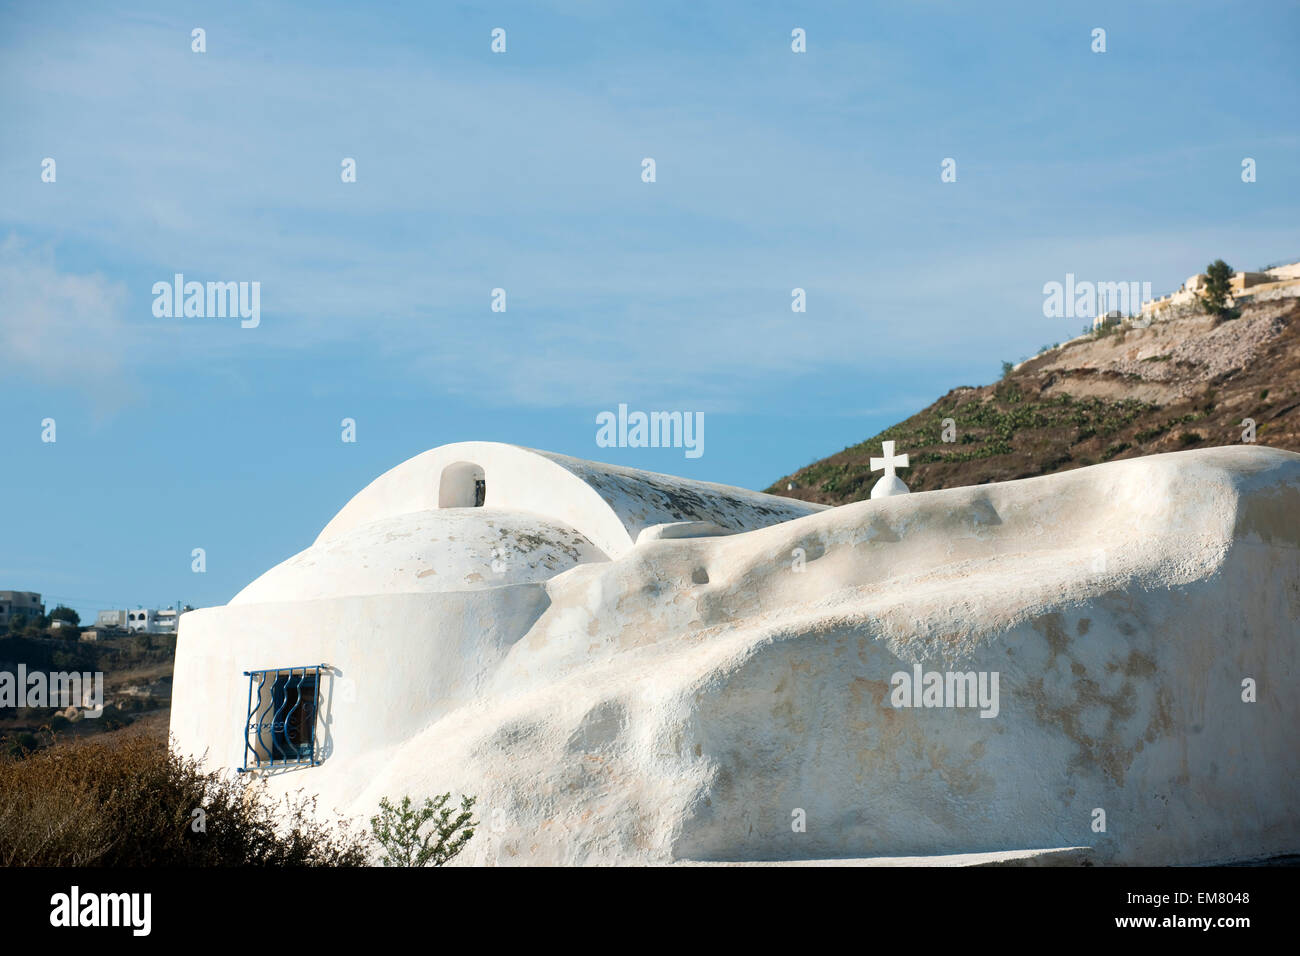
(397, 830)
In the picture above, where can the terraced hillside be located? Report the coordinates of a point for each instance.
(1182, 383)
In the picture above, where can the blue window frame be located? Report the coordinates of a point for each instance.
(282, 712)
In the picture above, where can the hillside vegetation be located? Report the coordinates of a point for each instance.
(137, 672)
(92, 803)
(1180, 383)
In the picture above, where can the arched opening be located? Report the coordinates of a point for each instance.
(462, 485)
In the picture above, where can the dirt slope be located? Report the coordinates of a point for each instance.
(1182, 383)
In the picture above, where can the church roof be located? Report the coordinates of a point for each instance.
(415, 529)
(608, 504)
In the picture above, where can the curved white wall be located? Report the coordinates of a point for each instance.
(517, 479)
(397, 661)
(448, 549)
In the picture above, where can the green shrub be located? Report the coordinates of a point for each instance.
(397, 830)
(62, 613)
(1114, 450)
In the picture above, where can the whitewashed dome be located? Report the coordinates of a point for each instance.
(475, 515)
(450, 549)
(609, 504)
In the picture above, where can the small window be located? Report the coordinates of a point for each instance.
(462, 485)
(282, 711)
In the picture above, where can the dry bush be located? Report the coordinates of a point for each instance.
(133, 804)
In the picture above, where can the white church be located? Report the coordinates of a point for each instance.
(628, 667)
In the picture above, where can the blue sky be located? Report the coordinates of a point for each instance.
(522, 171)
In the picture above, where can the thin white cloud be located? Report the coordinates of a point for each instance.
(59, 327)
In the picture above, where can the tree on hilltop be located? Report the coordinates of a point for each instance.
(62, 613)
(1218, 286)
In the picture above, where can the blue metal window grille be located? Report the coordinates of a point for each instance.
(281, 727)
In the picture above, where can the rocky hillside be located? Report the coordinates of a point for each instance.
(137, 673)
(1186, 382)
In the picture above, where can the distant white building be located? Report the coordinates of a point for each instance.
(165, 620)
(1108, 319)
(142, 620)
(111, 620)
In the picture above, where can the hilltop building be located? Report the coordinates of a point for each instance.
(1108, 319)
(25, 604)
(141, 620)
(1283, 280)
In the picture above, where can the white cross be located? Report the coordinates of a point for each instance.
(890, 461)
